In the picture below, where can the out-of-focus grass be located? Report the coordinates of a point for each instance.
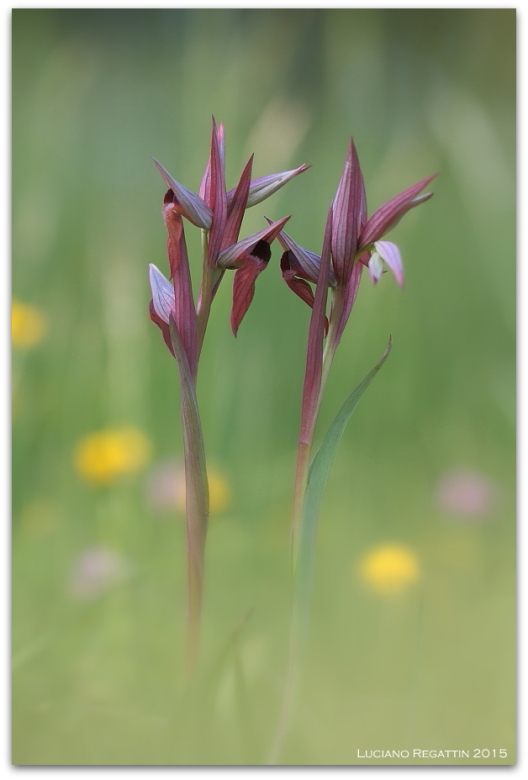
(97, 661)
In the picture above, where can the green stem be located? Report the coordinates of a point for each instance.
(301, 552)
(330, 345)
(301, 479)
(197, 513)
(304, 450)
(197, 501)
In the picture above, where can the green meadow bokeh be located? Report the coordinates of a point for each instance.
(427, 461)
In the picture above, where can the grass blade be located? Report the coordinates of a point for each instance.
(302, 586)
(317, 478)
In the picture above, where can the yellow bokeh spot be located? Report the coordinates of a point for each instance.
(28, 325)
(389, 569)
(219, 492)
(104, 456)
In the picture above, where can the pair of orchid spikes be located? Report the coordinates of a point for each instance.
(351, 242)
(183, 323)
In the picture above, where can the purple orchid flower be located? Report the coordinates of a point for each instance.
(219, 214)
(355, 243)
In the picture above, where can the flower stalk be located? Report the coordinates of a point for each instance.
(312, 388)
(196, 500)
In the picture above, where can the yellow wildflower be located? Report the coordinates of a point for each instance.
(104, 456)
(28, 324)
(389, 569)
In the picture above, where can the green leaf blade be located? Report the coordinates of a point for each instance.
(317, 479)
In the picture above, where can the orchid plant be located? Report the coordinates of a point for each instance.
(351, 243)
(218, 213)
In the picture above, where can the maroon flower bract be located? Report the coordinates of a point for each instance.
(219, 214)
(355, 243)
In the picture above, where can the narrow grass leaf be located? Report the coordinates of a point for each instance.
(317, 478)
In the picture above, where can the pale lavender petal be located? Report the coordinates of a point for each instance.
(309, 261)
(421, 198)
(391, 254)
(234, 255)
(375, 267)
(262, 188)
(162, 294)
(191, 205)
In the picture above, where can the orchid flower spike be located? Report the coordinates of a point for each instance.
(219, 214)
(353, 234)
(356, 241)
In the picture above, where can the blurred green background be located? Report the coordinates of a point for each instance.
(420, 657)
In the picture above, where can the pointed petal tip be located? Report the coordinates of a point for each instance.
(426, 181)
(283, 220)
(189, 204)
(154, 272)
(234, 255)
(218, 129)
(162, 293)
(165, 175)
(389, 214)
(160, 167)
(261, 189)
(421, 198)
